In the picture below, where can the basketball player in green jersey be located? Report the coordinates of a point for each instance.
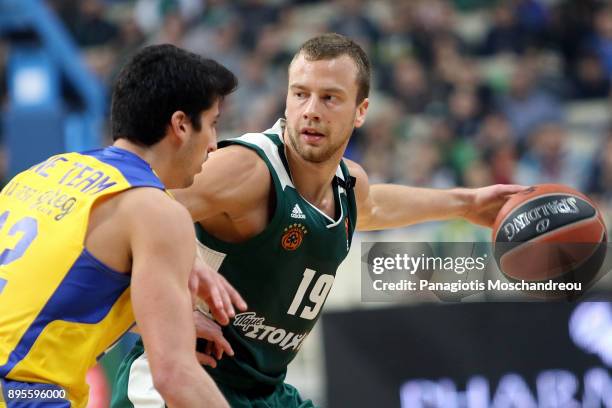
(276, 212)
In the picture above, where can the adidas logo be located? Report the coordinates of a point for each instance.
(297, 213)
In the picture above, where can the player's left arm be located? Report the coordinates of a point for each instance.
(382, 206)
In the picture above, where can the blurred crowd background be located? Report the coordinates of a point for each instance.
(465, 92)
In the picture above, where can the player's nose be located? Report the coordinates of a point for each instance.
(312, 109)
(212, 147)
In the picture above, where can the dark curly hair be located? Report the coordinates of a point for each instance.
(160, 80)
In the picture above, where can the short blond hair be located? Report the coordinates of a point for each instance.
(332, 45)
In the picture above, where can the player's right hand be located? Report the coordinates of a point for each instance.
(220, 296)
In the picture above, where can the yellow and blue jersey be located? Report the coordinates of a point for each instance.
(60, 307)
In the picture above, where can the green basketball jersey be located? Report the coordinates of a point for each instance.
(284, 273)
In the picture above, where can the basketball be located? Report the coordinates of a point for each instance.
(549, 232)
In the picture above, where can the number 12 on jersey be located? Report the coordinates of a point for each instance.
(318, 294)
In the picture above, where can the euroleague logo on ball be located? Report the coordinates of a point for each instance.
(293, 236)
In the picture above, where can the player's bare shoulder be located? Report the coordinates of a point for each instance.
(139, 212)
(242, 164)
(151, 209)
(232, 179)
(165, 203)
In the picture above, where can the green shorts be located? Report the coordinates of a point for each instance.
(133, 388)
(284, 396)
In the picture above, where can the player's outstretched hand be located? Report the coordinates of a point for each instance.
(207, 329)
(484, 203)
(210, 286)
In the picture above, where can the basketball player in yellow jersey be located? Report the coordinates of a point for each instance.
(91, 242)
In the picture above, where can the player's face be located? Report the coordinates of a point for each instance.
(321, 107)
(200, 144)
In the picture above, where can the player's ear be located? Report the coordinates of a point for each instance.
(360, 113)
(180, 125)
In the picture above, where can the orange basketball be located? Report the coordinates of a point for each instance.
(549, 232)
